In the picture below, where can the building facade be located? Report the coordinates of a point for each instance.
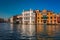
(28, 17)
(11, 20)
(36, 17)
(16, 19)
(58, 19)
(45, 17)
(19, 19)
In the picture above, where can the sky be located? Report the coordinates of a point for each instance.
(10, 8)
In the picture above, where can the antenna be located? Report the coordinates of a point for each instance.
(23, 10)
(30, 9)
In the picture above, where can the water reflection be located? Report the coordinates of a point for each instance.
(29, 32)
(23, 32)
(48, 32)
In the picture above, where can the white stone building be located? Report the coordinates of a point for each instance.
(28, 17)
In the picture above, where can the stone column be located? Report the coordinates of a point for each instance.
(23, 17)
(30, 16)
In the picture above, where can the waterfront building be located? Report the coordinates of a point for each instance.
(16, 19)
(28, 17)
(19, 19)
(36, 17)
(58, 19)
(45, 17)
(11, 20)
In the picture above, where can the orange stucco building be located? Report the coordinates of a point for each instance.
(45, 17)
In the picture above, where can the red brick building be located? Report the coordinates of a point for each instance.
(58, 19)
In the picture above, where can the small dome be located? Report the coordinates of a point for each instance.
(44, 11)
(37, 10)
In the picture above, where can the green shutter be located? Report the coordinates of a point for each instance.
(44, 17)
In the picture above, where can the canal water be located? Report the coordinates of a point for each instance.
(29, 32)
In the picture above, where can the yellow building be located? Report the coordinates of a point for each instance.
(45, 17)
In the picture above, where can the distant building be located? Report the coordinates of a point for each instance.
(11, 20)
(16, 19)
(45, 17)
(19, 19)
(28, 17)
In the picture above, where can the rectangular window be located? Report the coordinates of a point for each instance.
(38, 17)
(54, 20)
(38, 21)
(27, 14)
(51, 21)
(41, 17)
(51, 17)
(26, 18)
(54, 17)
(33, 18)
(41, 20)
(17, 18)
